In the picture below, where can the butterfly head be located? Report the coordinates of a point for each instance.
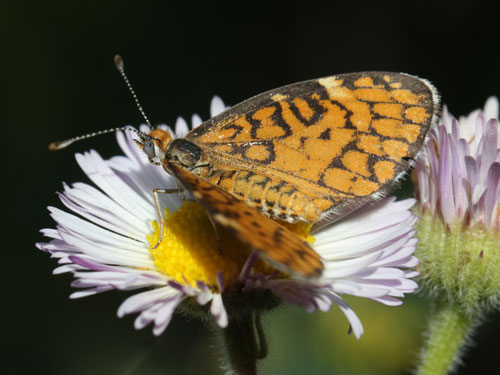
(155, 144)
(161, 149)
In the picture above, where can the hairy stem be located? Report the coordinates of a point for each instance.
(447, 336)
(245, 343)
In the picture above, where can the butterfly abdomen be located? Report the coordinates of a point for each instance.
(274, 198)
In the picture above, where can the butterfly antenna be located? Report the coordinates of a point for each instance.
(59, 145)
(121, 68)
(54, 146)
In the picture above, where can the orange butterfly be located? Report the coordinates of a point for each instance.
(312, 151)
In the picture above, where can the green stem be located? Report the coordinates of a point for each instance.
(245, 342)
(448, 333)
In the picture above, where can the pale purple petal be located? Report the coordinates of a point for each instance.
(356, 326)
(218, 311)
(455, 175)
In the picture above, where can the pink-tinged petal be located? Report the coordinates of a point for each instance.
(446, 117)
(433, 177)
(94, 266)
(356, 326)
(147, 316)
(323, 302)
(389, 301)
(134, 157)
(490, 150)
(472, 171)
(218, 310)
(463, 148)
(453, 173)
(64, 269)
(301, 295)
(109, 228)
(423, 191)
(136, 168)
(477, 194)
(344, 268)
(247, 267)
(88, 292)
(445, 179)
(115, 187)
(398, 250)
(359, 289)
(164, 315)
(459, 189)
(411, 274)
(220, 281)
(493, 187)
(144, 300)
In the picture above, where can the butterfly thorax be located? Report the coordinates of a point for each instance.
(187, 155)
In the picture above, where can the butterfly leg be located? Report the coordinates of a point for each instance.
(158, 209)
(216, 232)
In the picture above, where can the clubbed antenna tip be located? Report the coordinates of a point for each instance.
(54, 146)
(119, 62)
(121, 68)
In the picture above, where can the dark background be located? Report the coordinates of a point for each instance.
(58, 80)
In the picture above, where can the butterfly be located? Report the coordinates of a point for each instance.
(312, 151)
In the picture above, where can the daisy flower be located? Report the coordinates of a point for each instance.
(459, 177)
(107, 237)
(458, 191)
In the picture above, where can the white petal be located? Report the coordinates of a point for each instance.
(216, 106)
(357, 327)
(218, 311)
(165, 314)
(196, 121)
(491, 108)
(181, 127)
(141, 301)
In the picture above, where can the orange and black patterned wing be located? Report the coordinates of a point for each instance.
(275, 244)
(347, 138)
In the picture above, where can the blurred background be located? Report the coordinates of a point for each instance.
(59, 80)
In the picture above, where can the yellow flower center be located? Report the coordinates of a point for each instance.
(189, 250)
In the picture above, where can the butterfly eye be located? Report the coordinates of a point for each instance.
(149, 148)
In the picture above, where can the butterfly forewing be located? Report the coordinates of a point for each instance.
(339, 141)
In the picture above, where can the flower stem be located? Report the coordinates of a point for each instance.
(245, 342)
(447, 335)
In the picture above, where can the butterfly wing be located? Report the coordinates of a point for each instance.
(348, 138)
(274, 243)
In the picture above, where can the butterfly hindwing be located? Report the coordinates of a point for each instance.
(274, 243)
